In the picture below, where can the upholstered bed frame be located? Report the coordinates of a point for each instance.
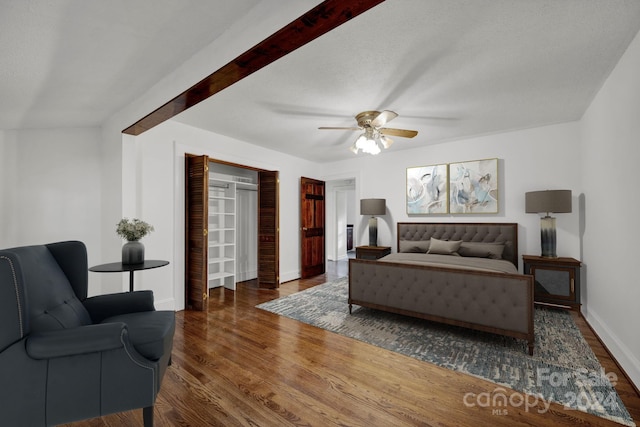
(500, 303)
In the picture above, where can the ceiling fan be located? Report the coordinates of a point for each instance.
(375, 135)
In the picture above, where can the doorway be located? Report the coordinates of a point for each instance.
(342, 218)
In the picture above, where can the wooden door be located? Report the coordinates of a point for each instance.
(196, 241)
(268, 230)
(312, 222)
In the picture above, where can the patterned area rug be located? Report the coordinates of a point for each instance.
(563, 368)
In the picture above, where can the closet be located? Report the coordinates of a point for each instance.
(221, 233)
(233, 231)
(231, 227)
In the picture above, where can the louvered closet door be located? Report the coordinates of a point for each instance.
(268, 230)
(197, 207)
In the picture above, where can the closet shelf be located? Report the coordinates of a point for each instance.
(220, 260)
(222, 233)
(220, 275)
(221, 244)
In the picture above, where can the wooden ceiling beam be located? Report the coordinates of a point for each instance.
(318, 21)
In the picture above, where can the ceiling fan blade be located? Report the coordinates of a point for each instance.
(404, 133)
(382, 118)
(339, 128)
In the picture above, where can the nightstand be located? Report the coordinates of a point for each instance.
(372, 252)
(557, 280)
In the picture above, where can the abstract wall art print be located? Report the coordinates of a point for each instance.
(427, 190)
(473, 187)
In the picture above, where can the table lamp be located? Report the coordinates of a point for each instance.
(373, 207)
(548, 201)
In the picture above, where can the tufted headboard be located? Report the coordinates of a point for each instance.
(485, 232)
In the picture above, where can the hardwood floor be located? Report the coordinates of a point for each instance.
(235, 365)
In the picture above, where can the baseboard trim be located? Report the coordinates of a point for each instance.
(289, 276)
(628, 364)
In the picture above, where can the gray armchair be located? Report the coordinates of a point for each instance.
(66, 357)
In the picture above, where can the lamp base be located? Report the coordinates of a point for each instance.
(548, 237)
(373, 231)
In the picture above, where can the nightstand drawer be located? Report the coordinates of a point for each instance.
(557, 280)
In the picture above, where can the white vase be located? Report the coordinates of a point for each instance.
(133, 252)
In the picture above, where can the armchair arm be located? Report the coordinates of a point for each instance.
(75, 341)
(102, 306)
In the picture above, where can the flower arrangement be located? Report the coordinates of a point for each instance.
(133, 230)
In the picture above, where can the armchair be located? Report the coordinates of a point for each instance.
(66, 357)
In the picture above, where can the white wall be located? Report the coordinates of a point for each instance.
(120, 177)
(51, 189)
(533, 159)
(160, 158)
(246, 235)
(610, 156)
(6, 172)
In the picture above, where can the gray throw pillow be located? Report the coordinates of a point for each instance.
(413, 246)
(444, 247)
(481, 250)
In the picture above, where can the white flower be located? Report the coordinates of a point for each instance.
(133, 230)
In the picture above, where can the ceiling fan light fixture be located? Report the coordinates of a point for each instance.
(361, 142)
(382, 140)
(373, 139)
(373, 148)
(369, 142)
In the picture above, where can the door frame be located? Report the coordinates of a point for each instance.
(334, 187)
(359, 224)
(272, 273)
(275, 260)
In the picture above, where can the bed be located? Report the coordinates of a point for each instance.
(463, 274)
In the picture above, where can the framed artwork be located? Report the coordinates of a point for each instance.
(427, 190)
(473, 187)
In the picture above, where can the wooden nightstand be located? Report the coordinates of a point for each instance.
(372, 252)
(557, 280)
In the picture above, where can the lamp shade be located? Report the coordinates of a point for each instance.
(373, 207)
(558, 201)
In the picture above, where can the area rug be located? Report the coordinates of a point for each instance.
(563, 368)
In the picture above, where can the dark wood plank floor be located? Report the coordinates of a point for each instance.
(235, 365)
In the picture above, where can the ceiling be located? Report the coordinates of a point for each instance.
(450, 69)
(67, 63)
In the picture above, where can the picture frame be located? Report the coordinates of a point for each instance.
(473, 187)
(427, 191)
